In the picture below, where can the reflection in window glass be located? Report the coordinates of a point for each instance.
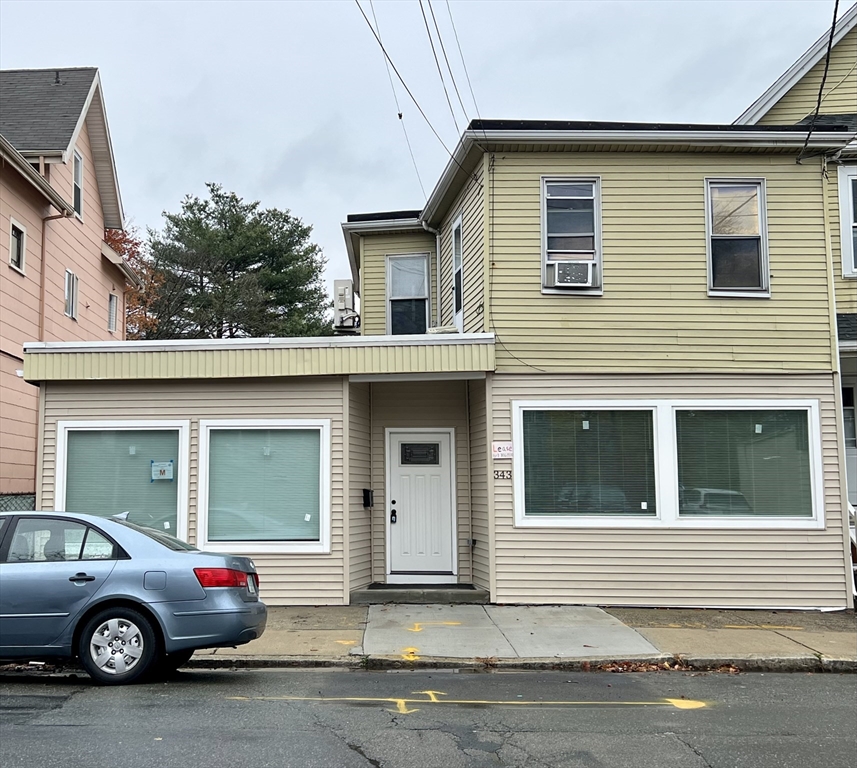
(589, 463)
(751, 463)
(263, 485)
(111, 471)
(46, 540)
(736, 236)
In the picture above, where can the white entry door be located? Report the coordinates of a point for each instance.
(420, 509)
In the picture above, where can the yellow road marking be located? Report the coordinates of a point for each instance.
(757, 626)
(347, 642)
(418, 626)
(410, 654)
(402, 703)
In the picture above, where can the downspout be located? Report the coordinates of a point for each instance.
(436, 233)
(44, 272)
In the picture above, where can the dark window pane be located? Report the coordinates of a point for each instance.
(589, 463)
(554, 204)
(743, 463)
(77, 199)
(17, 247)
(457, 291)
(736, 262)
(854, 201)
(571, 244)
(407, 316)
(420, 453)
(571, 222)
(848, 397)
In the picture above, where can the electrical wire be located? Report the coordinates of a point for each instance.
(439, 71)
(446, 59)
(823, 80)
(463, 64)
(398, 108)
(408, 90)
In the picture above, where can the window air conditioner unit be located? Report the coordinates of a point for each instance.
(574, 274)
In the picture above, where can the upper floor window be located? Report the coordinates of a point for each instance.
(407, 294)
(71, 290)
(112, 312)
(849, 411)
(571, 233)
(737, 237)
(78, 184)
(457, 277)
(848, 218)
(17, 245)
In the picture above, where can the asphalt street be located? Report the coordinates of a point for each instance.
(331, 718)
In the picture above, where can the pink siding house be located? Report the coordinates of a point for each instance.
(59, 280)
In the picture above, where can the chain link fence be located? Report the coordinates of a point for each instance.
(18, 502)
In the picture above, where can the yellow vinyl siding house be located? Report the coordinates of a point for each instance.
(793, 99)
(598, 367)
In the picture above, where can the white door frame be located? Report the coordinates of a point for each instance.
(416, 578)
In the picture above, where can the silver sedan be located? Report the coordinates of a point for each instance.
(124, 599)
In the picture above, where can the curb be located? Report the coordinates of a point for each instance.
(662, 662)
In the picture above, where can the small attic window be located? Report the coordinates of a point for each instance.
(78, 184)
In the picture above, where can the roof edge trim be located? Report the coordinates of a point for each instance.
(22, 165)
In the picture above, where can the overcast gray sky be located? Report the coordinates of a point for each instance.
(289, 102)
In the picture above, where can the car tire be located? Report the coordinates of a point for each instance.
(172, 661)
(118, 646)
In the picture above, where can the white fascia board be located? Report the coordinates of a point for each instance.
(186, 345)
(759, 108)
(22, 165)
(848, 346)
(123, 266)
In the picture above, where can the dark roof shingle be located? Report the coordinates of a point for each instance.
(37, 113)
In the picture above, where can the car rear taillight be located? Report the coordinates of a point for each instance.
(220, 577)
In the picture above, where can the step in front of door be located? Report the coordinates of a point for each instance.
(416, 594)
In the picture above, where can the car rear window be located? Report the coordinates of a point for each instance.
(170, 542)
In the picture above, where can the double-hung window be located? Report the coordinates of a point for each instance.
(264, 485)
(17, 246)
(78, 184)
(848, 218)
(726, 464)
(457, 277)
(737, 237)
(72, 286)
(571, 234)
(407, 294)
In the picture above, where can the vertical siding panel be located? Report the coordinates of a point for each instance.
(360, 463)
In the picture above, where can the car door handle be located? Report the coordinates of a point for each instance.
(81, 577)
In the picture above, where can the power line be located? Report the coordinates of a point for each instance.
(405, 86)
(446, 59)
(823, 80)
(439, 71)
(398, 108)
(463, 64)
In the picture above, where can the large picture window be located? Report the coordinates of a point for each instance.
(264, 485)
(715, 463)
(106, 468)
(582, 463)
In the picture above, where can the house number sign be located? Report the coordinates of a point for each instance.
(502, 474)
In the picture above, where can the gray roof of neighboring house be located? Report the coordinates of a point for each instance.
(847, 326)
(40, 108)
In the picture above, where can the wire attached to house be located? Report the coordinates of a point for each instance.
(398, 108)
(439, 71)
(823, 80)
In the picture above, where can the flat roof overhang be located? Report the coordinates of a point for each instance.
(254, 358)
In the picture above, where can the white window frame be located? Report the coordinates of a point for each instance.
(764, 291)
(458, 317)
(14, 223)
(847, 174)
(182, 476)
(72, 290)
(598, 288)
(322, 546)
(77, 183)
(112, 312)
(389, 285)
(666, 466)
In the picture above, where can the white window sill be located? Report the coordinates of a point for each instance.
(18, 270)
(714, 293)
(721, 523)
(572, 291)
(265, 547)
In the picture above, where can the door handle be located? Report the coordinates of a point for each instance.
(392, 515)
(81, 577)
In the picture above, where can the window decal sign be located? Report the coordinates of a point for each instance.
(162, 470)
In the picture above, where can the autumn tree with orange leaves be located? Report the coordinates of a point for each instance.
(141, 321)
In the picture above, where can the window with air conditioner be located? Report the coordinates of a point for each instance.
(737, 239)
(571, 235)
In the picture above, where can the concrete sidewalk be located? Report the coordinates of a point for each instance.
(532, 637)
